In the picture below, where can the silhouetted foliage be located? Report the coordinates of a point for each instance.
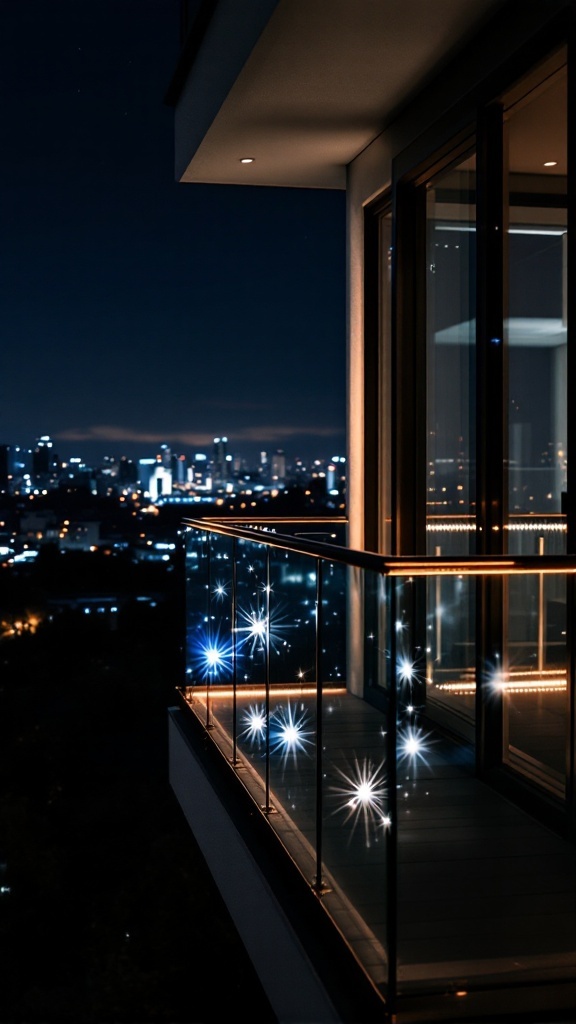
(111, 914)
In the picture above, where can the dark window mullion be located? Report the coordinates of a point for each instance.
(570, 507)
(408, 370)
(372, 361)
(491, 426)
(491, 367)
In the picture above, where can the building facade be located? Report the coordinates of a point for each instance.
(451, 127)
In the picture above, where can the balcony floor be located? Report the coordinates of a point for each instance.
(486, 894)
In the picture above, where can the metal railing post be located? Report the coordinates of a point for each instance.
(318, 883)
(208, 616)
(392, 832)
(234, 668)
(267, 806)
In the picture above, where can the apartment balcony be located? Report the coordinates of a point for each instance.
(372, 754)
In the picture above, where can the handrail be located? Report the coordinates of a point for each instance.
(257, 519)
(396, 565)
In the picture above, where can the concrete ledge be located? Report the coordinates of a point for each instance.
(288, 977)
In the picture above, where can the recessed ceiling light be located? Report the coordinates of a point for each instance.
(246, 159)
(551, 163)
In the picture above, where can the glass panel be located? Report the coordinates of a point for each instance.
(355, 825)
(477, 884)
(334, 630)
(208, 608)
(536, 324)
(536, 719)
(196, 570)
(451, 652)
(535, 688)
(356, 797)
(292, 618)
(450, 363)
(292, 747)
(251, 612)
(376, 638)
(396, 793)
(450, 403)
(385, 430)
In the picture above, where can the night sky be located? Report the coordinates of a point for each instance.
(137, 311)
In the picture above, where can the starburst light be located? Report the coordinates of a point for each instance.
(362, 797)
(288, 732)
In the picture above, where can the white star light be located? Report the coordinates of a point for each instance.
(413, 745)
(363, 796)
(288, 734)
(255, 627)
(406, 670)
(254, 720)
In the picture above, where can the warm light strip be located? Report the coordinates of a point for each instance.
(474, 569)
(554, 686)
(227, 692)
(523, 684)
(534, 672)
(451, 527)
(455, 687)
(445, 527)
(557, 527)
(465, 689)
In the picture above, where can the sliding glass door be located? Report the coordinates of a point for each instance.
(535, 704)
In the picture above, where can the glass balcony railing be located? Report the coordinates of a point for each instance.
(344, 687)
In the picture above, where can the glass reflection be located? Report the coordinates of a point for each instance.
(536, 715)
(451, 404)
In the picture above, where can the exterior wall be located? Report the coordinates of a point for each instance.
(433, 119)
(210, 78)
(368, 175)
(287, 976)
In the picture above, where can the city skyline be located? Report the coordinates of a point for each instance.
(155, 451)
(138, 311)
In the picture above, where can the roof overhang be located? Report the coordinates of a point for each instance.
(303, 86)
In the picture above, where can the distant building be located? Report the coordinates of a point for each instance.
(6, 460)
(79, 536)
(45, 462)
(39, 527)
(221, 468)
(278, 467)
(155, 478)
(127, 472)
(146, 469)
(201, 472)
(181, 470)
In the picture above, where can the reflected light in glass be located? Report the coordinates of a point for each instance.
(413, 745)
(362, 796)
(287, 731)
(254, 720)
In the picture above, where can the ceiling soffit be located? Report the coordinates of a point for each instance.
(317, 85)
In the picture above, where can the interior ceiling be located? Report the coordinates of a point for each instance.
(537, 130)
(320, 83)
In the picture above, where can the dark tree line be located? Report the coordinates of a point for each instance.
(108, 912)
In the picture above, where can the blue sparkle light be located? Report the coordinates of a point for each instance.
(288, 732)
(362, 797)
(210, 657)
